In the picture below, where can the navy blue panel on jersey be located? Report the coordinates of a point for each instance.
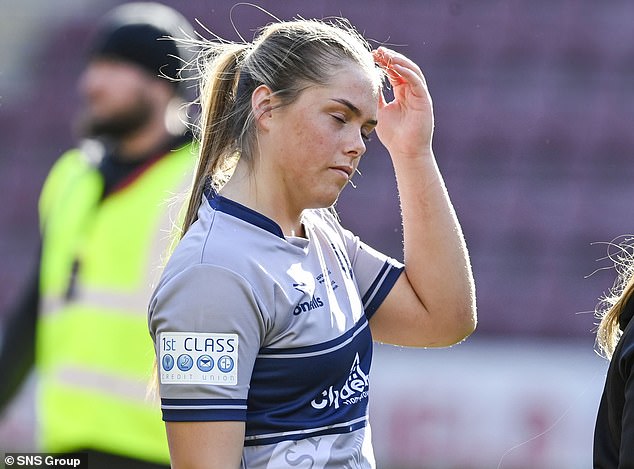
(319, 389)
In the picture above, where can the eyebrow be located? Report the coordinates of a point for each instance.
(355, 110)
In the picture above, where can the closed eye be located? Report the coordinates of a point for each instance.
(364, 136)
(340, 119)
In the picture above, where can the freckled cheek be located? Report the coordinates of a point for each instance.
(307, 139)
(310, 136)
(296, 133)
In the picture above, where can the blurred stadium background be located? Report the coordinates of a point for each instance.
(534, 104)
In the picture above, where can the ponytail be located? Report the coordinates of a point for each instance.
(217, 129)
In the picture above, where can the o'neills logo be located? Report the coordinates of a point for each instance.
(314, 303)
(354, 390)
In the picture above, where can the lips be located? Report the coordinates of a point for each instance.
(347, 170)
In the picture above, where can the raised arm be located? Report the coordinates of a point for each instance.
(433, 301)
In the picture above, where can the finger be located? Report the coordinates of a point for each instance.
(410, 77)
(387, 58)
(394, 57)
(392, 75)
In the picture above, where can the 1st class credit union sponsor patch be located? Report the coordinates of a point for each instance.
(198, 358)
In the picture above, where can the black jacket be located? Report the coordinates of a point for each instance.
(614, 430)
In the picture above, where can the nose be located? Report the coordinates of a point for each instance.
(356, 147)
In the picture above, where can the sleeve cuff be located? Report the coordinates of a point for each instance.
(380, 288)
(204, 410)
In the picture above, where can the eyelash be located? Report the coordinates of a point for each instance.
(343, 121)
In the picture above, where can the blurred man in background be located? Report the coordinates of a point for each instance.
(106, 220)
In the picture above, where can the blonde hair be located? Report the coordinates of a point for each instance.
(287, 57)
(611, 305)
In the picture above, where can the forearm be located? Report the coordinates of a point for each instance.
(434, 302)
(436, 258)
(205, 445)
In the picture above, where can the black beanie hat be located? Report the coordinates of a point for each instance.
(143, 33)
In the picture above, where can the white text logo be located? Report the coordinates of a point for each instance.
(354, 390)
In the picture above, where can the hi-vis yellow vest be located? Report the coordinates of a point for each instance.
(100, 260)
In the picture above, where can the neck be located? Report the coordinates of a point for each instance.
(143, 142)
(245, 189)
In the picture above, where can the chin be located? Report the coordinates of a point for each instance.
(325, 197)
(327, 202)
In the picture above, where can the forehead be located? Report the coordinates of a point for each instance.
(352, 83)
(352, 74)
(116, 66)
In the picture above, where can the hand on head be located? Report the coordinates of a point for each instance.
(406, 123)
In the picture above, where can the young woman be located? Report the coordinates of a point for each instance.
(265, 315)
(614, 429)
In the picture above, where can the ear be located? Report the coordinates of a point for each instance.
(262, 104)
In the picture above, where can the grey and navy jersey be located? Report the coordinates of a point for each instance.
(250, 325)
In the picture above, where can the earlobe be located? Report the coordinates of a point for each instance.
(261, 104)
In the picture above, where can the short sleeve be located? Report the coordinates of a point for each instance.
(374, 272)
(207, 329)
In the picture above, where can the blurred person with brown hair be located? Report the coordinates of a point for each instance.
(614, 429)
(105, 220)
